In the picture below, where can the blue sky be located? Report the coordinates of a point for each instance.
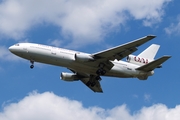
(88, 26)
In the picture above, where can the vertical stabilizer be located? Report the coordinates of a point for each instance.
(150, 52)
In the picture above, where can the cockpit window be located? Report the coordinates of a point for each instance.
(16, 44)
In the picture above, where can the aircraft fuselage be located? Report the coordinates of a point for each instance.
(66, 58)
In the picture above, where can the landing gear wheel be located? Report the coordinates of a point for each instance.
(101, 65)
(98, 72)
(93, 84)
(98, 78)
(101, 72)
(90, 83)
(32, 66)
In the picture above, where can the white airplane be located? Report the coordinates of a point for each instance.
(90, 67)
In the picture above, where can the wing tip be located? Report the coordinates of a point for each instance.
(98, 91)
(151, 36)
(167, 56)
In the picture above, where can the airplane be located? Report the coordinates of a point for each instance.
(89, 68)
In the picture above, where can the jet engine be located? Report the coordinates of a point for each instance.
(69, 77)
(82, 57)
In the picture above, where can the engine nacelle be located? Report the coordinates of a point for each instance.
(137, 60)
(69, 77)
(82, 57)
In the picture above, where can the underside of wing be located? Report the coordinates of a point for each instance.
(119, 52)
(154, 64)
(91, 81)
(94, 85)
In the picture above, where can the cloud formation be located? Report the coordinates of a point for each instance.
(174, 28)
(147, 97)
(48, 106)
(6, 55)
(82, 21)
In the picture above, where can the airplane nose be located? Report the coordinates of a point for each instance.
(11, 48)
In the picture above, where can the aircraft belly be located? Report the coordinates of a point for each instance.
(83, 68)
(119, 72)
(123, 69)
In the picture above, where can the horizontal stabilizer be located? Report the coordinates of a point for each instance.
(154, 64)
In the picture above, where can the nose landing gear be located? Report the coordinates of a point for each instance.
(32, 64)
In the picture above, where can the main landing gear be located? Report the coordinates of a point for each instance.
(32, 64)
(92, 82)
(101, 70)
(93, 79)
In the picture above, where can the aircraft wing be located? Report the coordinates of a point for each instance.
(154, 64)
(86, 79)
(119, 52)
(96, 87)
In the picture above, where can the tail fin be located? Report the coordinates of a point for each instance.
(150, 52)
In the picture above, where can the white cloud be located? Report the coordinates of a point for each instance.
(147, 97)
(174, 28)
(135, 96)
(48, 106)
(56, 42)
(82, 21)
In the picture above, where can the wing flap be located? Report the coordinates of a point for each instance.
(154, 64)
(119, 52)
